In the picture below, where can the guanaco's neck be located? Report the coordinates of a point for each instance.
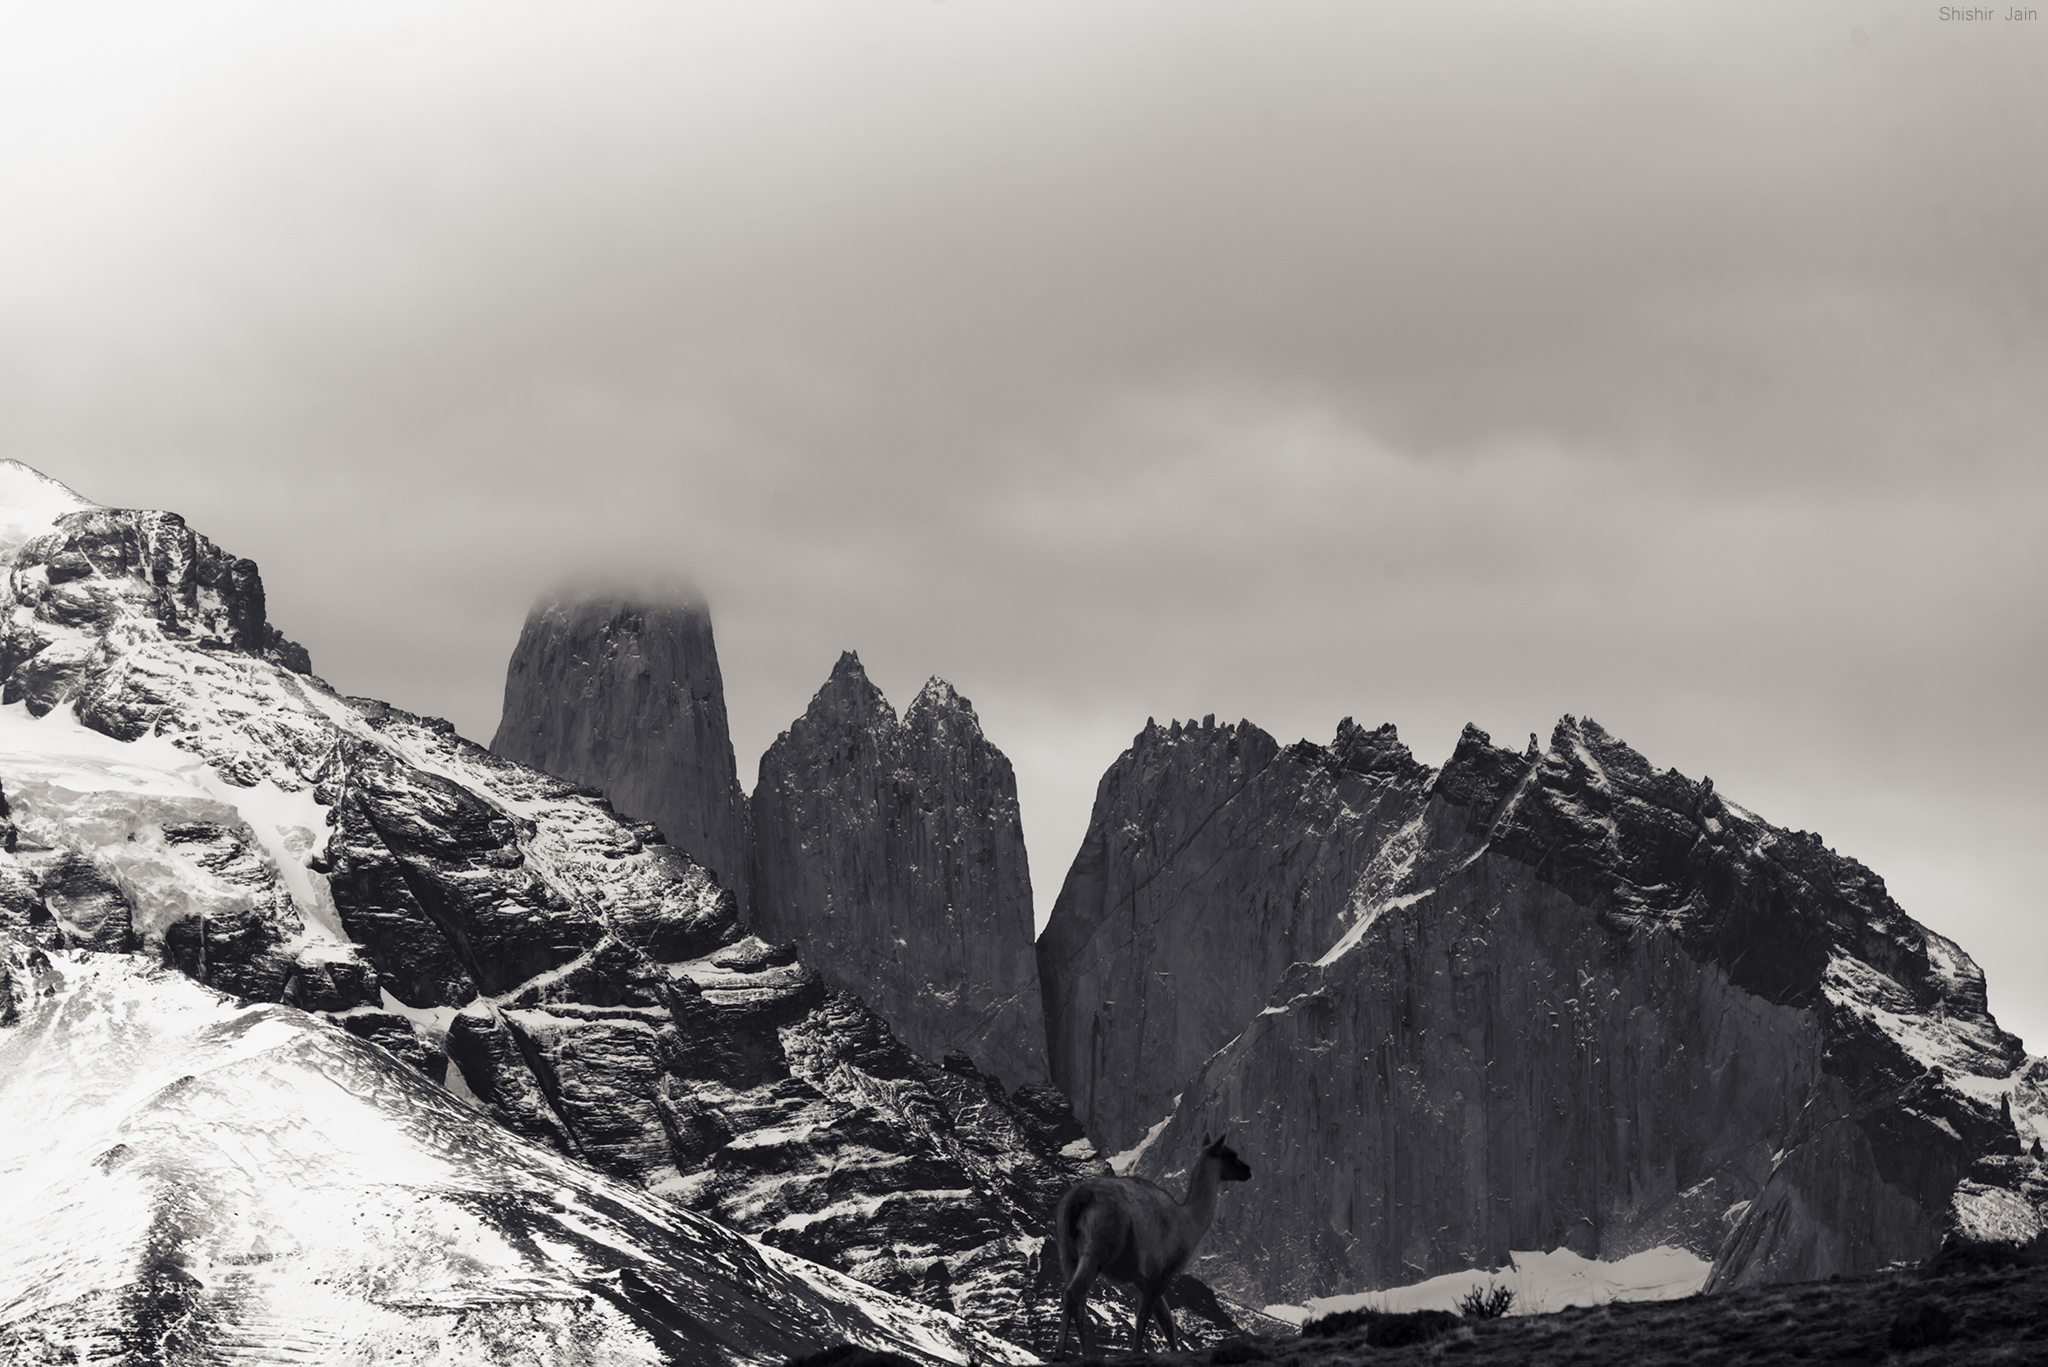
(1201, 1198)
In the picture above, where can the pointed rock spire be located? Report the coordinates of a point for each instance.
(619, 688)
(893, 853)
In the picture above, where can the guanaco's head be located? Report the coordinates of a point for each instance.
(1235, 1169)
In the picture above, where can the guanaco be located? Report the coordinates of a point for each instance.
(1134, 1232)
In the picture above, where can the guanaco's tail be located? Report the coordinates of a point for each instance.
(1071, 1210)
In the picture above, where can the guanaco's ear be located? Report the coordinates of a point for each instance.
(1206, 1141)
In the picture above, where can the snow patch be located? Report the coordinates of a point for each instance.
(30, 504)
(73, 786)
(859, 1208)
(1958, 1045)
(1121, 1164)
(933, 1332)
(1542, 1283)
(322, 1197)
(1364, 923)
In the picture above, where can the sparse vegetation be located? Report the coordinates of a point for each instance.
(1960, 1311)
(1382, 1329)
(1492, 1303)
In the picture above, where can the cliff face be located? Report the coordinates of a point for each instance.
(621, 691)
(893, 854)
(1213, 860)
(1567, 1000)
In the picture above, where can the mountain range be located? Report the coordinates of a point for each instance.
(570, 1041)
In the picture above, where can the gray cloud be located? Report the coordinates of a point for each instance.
(1677, 366)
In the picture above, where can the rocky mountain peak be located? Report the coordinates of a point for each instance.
(893, 852)
(940, 700)
(93, 575)
(618, 687)
(848, 698)
(497, 930)
(1479, 774)
(30, 502)
(1214, 859)
(942, 726)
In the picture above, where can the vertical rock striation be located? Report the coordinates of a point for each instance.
(893, 853)
(621, 691)
(1213, 860)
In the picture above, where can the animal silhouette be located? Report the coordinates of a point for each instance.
(1131, 1231)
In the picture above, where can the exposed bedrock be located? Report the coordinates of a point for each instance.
(1591, 1005)
(1213, 860)
(98, 562)
(621, 691)
(892, 852)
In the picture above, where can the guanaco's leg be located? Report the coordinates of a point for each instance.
(1147, 1302)
(1074, 1304)
(1166, 1326)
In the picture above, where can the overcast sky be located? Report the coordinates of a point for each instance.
(1684, 366)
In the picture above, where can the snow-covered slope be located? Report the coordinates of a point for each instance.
(196, 1179)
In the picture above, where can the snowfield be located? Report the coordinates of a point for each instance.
(1542, 1283)
(245, 1182)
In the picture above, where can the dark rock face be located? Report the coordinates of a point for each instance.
(1214, 859)
(822, 1134)
(1578, 1002)
(622, 692)
(892, 853)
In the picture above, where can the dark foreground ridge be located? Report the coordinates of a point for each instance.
(1956, 1312)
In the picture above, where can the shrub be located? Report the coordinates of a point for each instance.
(1382, 1330)
(1489, 1304)
(1238, 1351)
